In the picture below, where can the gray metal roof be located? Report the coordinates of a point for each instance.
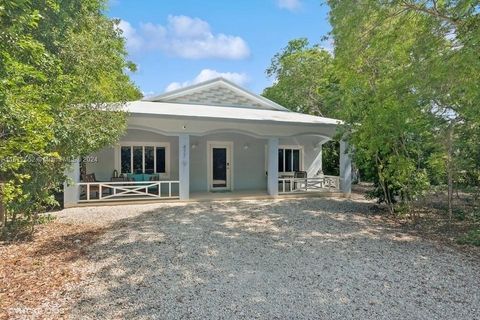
(220, 112)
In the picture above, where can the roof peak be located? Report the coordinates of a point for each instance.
(227, 93)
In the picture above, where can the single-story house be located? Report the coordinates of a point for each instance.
(210, 138)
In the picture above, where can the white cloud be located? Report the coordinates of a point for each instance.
(207, 74)
(291, 5)
(133, 39)
(148, 94)
(185, 37)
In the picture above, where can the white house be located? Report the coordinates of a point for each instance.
(208, 138)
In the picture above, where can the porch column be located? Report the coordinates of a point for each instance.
(272, 168)
(345, 168)
(71, 192)
(184, 166)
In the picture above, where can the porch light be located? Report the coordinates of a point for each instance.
(245, 146)
(194, 145)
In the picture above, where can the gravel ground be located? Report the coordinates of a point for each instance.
(290, 259)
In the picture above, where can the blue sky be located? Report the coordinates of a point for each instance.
(180, 42)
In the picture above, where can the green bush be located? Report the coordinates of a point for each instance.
(471, 238)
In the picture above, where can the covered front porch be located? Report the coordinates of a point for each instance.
(194, 159)
(209, 169)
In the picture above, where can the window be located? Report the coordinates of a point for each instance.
(137, 159)
(289, 159)
(161, 160)
(126, 159)
(150, 159)
(144, 158)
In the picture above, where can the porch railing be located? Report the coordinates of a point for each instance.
(318, 184)
(128, 190)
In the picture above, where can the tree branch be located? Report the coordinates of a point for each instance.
(433, 12)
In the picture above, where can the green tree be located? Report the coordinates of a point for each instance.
(409, 77)
(304, 79)
(61, 62)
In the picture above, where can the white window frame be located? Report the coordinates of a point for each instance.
(293, 147)
(300, 160)
(166, 145)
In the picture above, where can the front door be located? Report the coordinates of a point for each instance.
(220, 166)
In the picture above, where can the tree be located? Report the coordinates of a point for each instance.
(409, 77)
(61, 62)
(304, 79)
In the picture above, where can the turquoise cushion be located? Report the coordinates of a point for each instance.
(151, 177)
(137, 177)
(143, 177)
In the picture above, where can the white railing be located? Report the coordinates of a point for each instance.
(128, 190)
(319, 184)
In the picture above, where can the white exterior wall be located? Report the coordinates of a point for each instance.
(249, 163)
(312, 151)
(102, 164)
(105, 164)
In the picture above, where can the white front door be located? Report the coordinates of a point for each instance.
(220, 165)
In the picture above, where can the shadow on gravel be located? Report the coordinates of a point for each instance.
(310, 258)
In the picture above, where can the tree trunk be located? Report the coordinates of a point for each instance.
(450, 171)
(386, 191)
(2, 209)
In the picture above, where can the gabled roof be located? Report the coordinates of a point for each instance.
(218, 92)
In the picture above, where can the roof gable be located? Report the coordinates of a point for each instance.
(218, 92)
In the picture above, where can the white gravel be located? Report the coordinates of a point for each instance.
(291, 259)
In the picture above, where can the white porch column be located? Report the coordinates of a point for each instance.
(345, 168)
(272, 168)
(184, 166)
(71, 192)
(316, 166)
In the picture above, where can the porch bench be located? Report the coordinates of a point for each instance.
(145, 177)
(141, 177)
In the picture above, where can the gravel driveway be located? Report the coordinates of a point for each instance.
(290, 259)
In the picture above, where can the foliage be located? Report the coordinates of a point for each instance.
(331, 158)
(61, 61)
(471, 238)
(304, 80)
(409, 77)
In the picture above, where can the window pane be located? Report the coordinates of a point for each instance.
(160, 160)
(280, 160)
(137, 159)
(149, 159)
(296, 160)
(288, 160)
(125, 159)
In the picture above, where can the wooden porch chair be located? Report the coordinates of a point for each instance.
(95, 189)
(302, 183)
